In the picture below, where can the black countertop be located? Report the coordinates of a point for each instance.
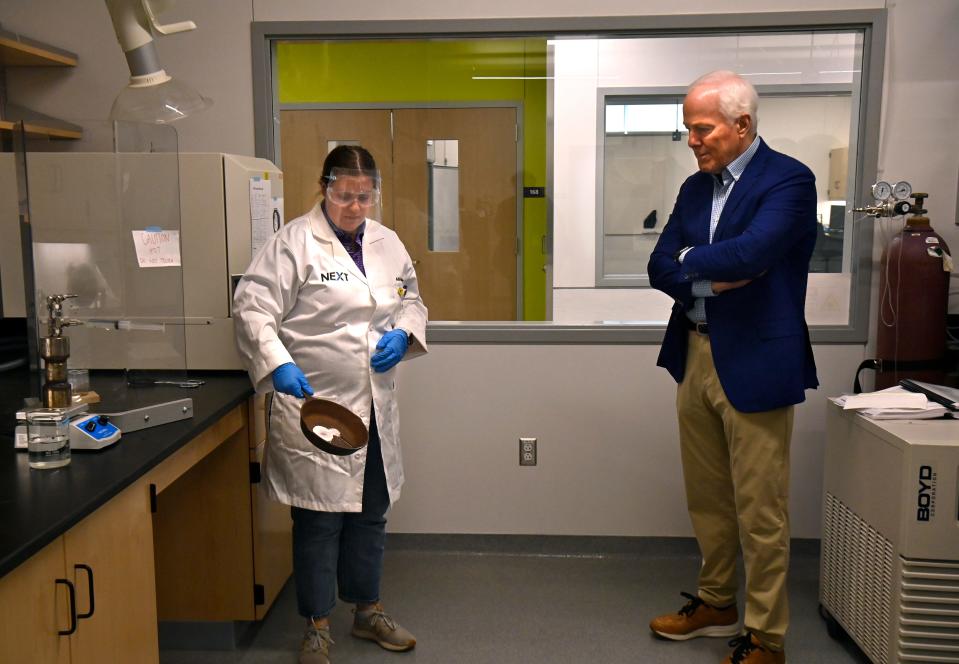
(37, 506)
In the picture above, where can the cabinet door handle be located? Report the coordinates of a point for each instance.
(89, 571)
(73, 608)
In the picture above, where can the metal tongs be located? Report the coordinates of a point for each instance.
(139, 381)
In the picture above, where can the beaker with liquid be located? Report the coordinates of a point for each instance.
(48, 438)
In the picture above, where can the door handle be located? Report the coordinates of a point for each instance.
(89, 571)
(73, 607)
(415, 262)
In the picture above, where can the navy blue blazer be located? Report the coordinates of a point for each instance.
(767, 232)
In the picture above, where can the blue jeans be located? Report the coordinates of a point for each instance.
(343, 550)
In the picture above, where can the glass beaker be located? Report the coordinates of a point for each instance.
(79, 380)
(48, 439)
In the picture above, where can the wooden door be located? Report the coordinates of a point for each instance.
(33, 608)
(305, 137)
(476, 281)
(116, 544)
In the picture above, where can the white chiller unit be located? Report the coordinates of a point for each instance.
(890, 536)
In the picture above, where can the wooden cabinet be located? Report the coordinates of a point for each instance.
(34, 607)
(203, 531)
(19, 51)
(98, 576)
(111, 553)
(212, 550)
(272, 526)
(222, 551)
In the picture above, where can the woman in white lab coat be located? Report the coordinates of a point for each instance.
(328, 307)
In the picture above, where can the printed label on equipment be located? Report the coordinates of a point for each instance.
(926, 494)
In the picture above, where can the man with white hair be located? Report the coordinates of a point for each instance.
(734, 256)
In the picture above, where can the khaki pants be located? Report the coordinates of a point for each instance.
(736, 471)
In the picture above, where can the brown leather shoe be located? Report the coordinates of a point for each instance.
(697, 618)
(748, 650)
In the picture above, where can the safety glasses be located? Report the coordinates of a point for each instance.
(365, 198)
(345, 186)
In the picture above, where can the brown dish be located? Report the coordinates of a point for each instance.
(353, 434)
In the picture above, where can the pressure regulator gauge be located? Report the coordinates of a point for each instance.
(882, 190)
(902, 190)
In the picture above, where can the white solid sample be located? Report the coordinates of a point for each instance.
(325, 433)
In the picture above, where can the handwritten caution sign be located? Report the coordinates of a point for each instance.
(157, 248)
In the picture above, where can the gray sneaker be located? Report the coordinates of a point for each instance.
(374, 625)
(316, 645)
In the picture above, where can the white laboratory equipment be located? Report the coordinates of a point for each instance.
(94, 431)
(890, 536)
(75, 428)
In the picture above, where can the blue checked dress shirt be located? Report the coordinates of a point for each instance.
(723, 184)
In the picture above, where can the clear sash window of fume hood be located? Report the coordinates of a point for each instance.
(105, 226)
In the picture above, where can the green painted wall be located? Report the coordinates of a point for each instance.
(534, 175)
(364, 72)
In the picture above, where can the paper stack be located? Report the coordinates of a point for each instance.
(893, 403)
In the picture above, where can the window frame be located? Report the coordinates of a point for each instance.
(872, 22)
(642, 100)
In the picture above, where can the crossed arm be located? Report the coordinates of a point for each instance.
(733, 262)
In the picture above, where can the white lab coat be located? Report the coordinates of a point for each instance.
(304, 300)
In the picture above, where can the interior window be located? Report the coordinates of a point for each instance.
(646, 160)
(530, 177)
(624, 96)
(442, 161)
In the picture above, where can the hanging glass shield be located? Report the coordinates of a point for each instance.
(105, 225)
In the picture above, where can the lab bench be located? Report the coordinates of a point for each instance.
(165, 525)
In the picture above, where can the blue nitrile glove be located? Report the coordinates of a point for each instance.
(288, 379)
(390, 350)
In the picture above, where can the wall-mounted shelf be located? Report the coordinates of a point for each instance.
(19, 51)
(37, 125)
(39, 131)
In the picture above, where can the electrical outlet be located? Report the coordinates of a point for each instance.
(527, 451)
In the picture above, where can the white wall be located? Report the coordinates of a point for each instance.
(604, 414)
(215, 59)
(921, 98)
(608, 460)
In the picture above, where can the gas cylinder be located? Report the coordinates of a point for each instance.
(913, 302)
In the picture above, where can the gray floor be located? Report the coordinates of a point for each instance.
(531, 600)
